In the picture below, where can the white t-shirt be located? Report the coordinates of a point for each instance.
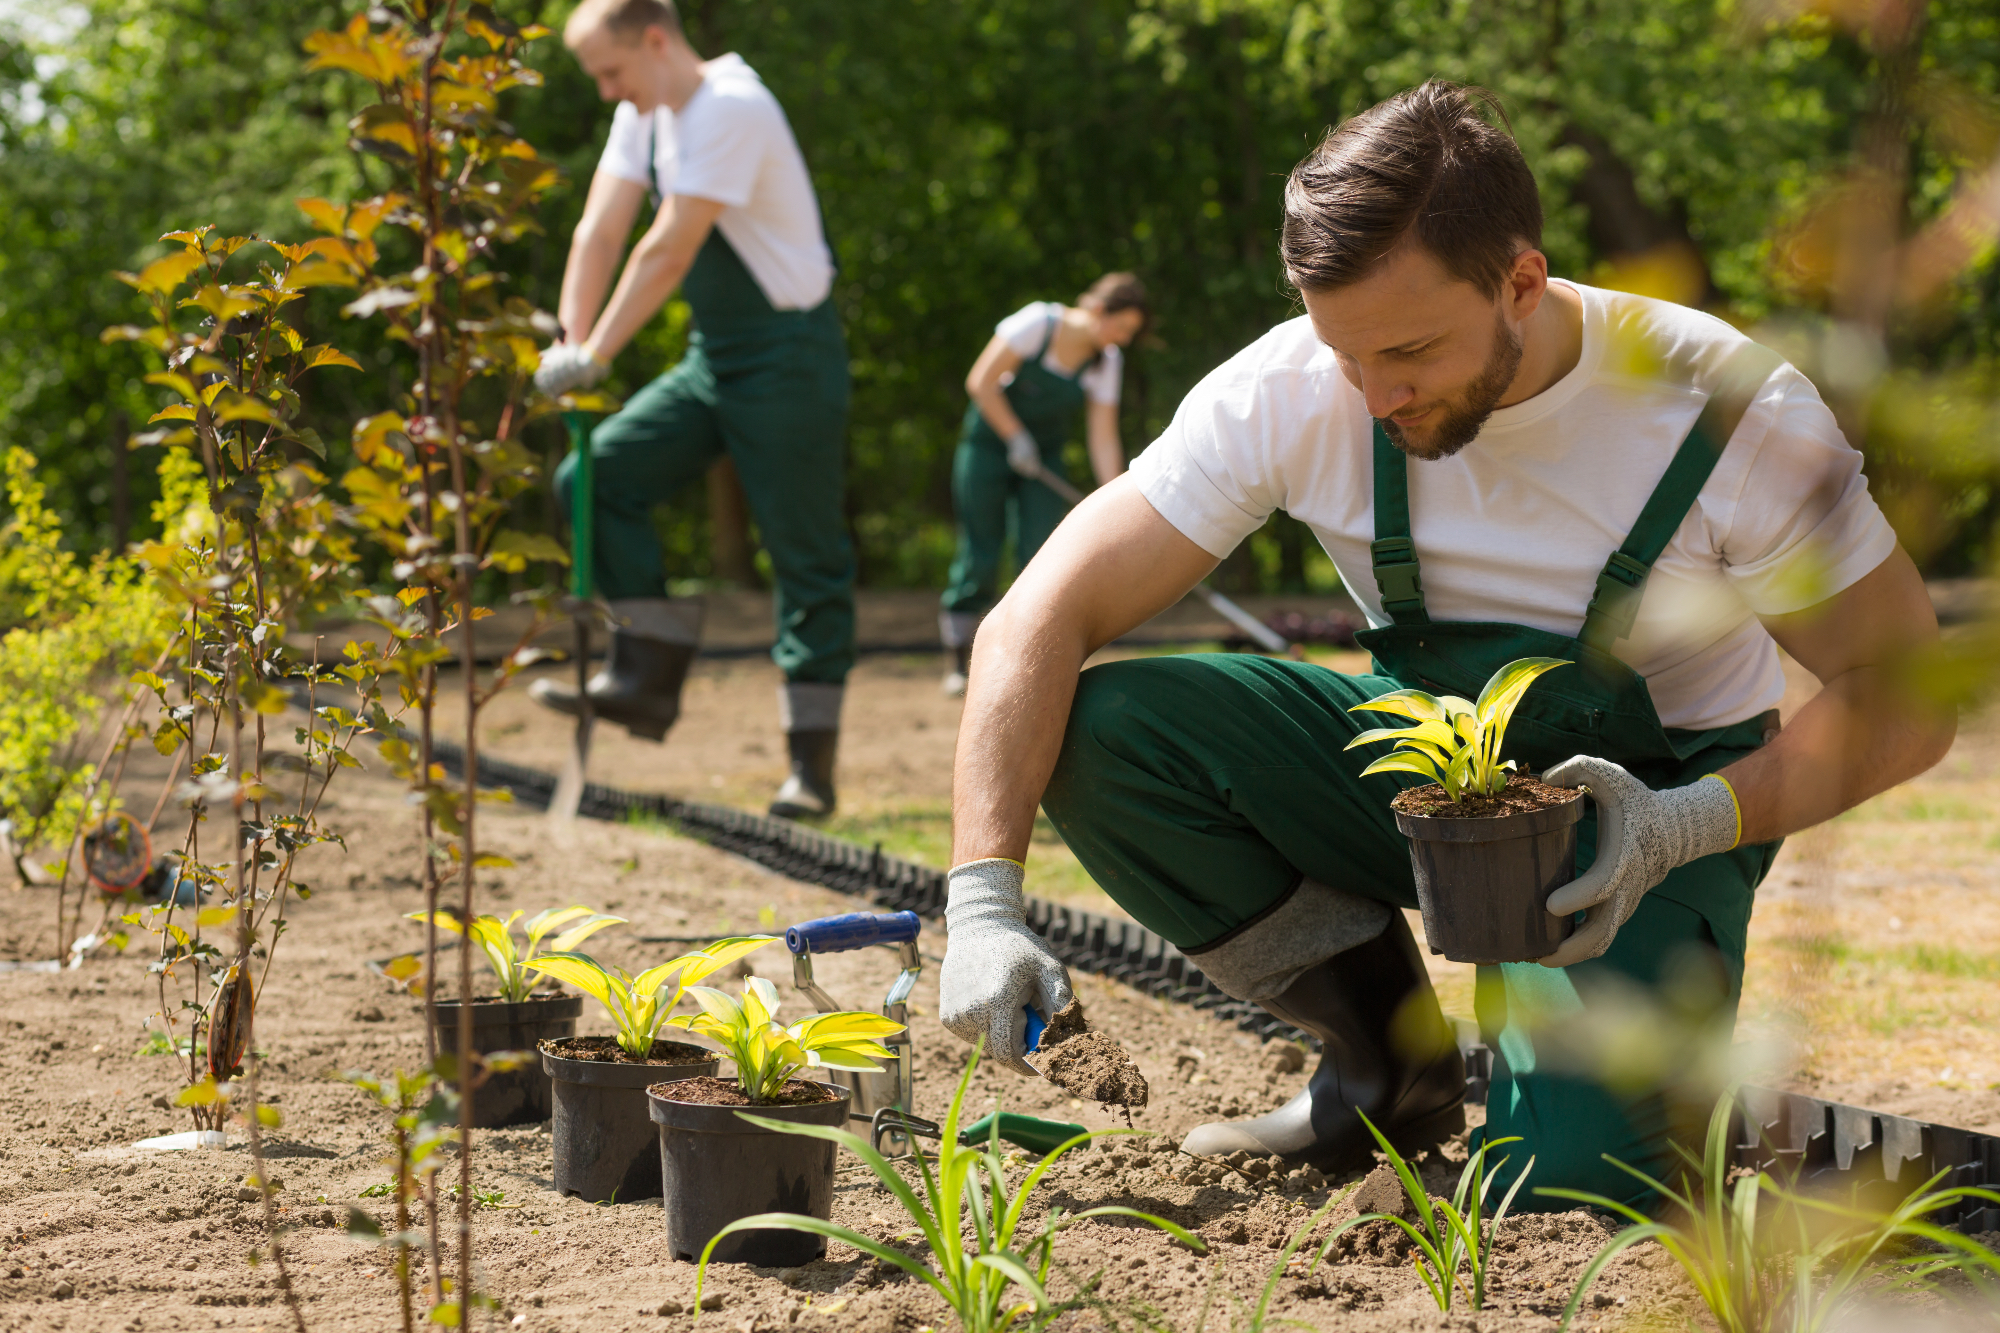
(1025, 330)
(1518, 524)
(731, 143)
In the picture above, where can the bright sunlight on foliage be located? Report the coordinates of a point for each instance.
(635, 1003)
(495, 939)
(767, 1054)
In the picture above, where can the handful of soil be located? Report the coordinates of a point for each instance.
(1088, 1064)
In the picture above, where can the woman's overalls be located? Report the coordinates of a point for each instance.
(986, 493)
(1199, 790)
(769, 387)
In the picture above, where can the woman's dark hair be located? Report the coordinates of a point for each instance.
(1426, 162)
(1118, 291)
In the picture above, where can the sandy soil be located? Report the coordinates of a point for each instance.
(144, 1240)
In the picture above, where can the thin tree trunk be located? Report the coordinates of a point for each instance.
(733, 556)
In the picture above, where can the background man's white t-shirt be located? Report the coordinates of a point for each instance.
(1516, 526)
(1028, 328)
(731, 143)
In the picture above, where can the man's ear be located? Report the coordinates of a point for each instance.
(1527, 282)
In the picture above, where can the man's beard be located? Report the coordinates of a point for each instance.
(1463, 420)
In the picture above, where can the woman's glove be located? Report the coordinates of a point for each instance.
(994, 965)
(1642, 834)
(567, 366)
(1023, 454)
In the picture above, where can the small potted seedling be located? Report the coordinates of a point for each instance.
(717, 1166)
(1488, 846)
(604, 1144)
(519, 1018)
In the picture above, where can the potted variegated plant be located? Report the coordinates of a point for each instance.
(520, 1017)
(1488, 845)
(718, 1165)
(604, 1144)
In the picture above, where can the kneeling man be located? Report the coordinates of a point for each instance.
(1501, 465)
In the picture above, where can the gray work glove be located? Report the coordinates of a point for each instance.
(568, 366)
(1023, 454)
(994, 965)
(1642, 834)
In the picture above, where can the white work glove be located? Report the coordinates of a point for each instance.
(1023, 454)
(1642, 834)
(567, 366)
(994, 965)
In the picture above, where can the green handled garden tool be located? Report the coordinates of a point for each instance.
(1023, 1131)
(569, 787)
(1261, 634)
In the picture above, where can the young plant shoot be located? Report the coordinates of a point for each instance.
(639, 1005)
(495, 939)
(1449, 1236)
(767, 1054)
(968, 1188)
(1455, 743)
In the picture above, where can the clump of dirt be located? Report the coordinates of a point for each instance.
(1524, 794)
(707, 1091)
(1089, 1064)
(1383, 1192)
(608, 1051)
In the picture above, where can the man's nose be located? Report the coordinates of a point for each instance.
(1386, 395)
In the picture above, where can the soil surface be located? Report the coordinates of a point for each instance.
(1524, 794)
(606, 1050)
(706, 1091)
(1087, 1063)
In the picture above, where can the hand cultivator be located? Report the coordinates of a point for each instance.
(883, 1099)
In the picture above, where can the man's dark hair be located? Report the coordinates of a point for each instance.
(627, 20)
(1425, 163)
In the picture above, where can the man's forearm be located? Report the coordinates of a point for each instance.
(1024, 670)
(586, 278)
(651, 275)
(1859, 736)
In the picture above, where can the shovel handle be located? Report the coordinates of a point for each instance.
(1023, 1131)
(582, 509)
(852, 930)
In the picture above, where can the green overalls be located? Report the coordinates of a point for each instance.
(1199, 790)
(771, 388)
(986, 493)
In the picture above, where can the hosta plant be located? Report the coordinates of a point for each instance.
(640, 1005)
(495, 939)
(767, 1053)
(1455, 742)
(969, 1216)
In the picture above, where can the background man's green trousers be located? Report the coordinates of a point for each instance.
(781, 413)
(1198, 790)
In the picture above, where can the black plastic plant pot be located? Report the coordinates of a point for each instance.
(717, 1168)
(519, 1096)
(1483, 882)
(606, 1149)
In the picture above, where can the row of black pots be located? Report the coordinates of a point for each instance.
(613, 1140)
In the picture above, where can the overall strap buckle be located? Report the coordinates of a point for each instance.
(1400, 579)
(1614, 607)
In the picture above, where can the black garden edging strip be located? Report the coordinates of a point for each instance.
(1825, 1143)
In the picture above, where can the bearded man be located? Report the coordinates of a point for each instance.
(1501, 465)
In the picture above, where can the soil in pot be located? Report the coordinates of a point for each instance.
(517, 1096)
(1485, 866)
(718, 1168)
(1088, 1064)
(603, 1143)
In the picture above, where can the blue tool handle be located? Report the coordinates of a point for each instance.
(1035, 1025)
(852, 930)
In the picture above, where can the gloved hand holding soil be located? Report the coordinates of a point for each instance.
(1088, 1064)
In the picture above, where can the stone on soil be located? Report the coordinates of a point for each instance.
(1383, 1192)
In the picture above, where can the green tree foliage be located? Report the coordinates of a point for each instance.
(973, 156)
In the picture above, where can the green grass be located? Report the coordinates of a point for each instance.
(1927, 959)
(920, 831)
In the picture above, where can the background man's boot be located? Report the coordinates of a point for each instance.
(810, 713)
(653, 642)
(1386, 1050)
(956, 629)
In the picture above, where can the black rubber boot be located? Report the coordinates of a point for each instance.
(808, 792)
(639, 687)
(1386, 1051)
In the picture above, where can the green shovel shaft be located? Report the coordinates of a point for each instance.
(582, 509)
(1023, 1131)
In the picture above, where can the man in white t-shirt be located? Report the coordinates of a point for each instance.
(1502, 466)
(764, 380)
